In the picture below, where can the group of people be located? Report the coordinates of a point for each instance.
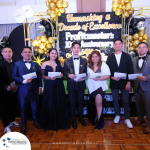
(54, 113)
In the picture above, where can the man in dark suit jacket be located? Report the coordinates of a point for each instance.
(7, 91)
(73, 66)
(141, 64)
(27, 89)
(120, 62)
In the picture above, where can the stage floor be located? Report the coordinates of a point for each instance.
(111, 137)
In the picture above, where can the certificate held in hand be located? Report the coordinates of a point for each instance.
(30, 75)
(80, 76)
(120, 75)
(95, 75)
(54, 74)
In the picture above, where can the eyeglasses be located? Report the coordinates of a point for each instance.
(144, 47)
(26, 52)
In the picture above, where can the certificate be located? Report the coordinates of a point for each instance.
(95, 75)
(30, 75)
(120, 75)
(134, 76)
(82, 76)
(54, 74)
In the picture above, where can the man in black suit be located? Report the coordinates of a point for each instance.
(27, 88)
(7, 91)
(73, 66)
(120, 62)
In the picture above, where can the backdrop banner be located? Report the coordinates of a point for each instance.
(93, 30)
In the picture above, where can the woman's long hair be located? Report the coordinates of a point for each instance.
(90, 63)
(57, 61)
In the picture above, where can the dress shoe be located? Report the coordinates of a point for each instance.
(36, 124)
(74, 124)
(138, 122)
(14, 124)
(23, 130)
(147, 130)
(81, 120)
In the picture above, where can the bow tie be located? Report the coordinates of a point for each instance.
(27, 61)
(142, 58)
(76, 58)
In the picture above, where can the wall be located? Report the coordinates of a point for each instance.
(8, 7)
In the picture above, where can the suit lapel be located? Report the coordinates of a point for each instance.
(72, 64)
(143, 65)
(80, 65)
(25, 69)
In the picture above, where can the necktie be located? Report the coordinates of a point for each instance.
(76, 58)
(142, 58)
(27, 61)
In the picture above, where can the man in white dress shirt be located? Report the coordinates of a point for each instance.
(141, 64)
(120, 62)
(73, 66)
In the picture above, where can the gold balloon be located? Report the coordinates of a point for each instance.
(140, 38)
(65, 4)
(48, 10)
(135, 48)
(135, 43)
(56, 9)
(114, 9)
(34, 43)
(131, 48)
(42, 46)
(118, 11)
(126, 14)
(62, 10)
(47, 4)
(115, 3)
(48, 46)
(52, 6)
(146, 41)
(120, 6)
(46, 53)
(131, 11)
(136, 36)
(130, 38)
(59, 4)
(126, 1)
(58, 13)
(145, 37)
(36, 49)
(54, 1)
(47, 41)
(128, 6)
(130, 44)
(45, 49)
(52, 14)
(50, 39)
(38, 38)
(40, 51)
(39, 41)
(43, 38)
(49, 1)
(122, 1)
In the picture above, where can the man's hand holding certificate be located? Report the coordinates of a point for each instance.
(80, 77)
(134, 76)
(30, 76)
(120, 75)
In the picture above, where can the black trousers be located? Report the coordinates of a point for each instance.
(8, 107)
(79, 94)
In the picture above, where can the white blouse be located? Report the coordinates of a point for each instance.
(94, 85)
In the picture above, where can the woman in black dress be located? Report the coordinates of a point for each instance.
(97, 87)
(54, 111)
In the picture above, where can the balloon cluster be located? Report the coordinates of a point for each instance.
(56, 8)
(42, 44)
(134, 40)
(118, 6)
(46, 28)
(4, 42)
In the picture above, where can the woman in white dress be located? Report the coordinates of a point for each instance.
(97, 86)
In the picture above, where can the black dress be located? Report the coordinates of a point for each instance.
(54, 111)
(92, 107)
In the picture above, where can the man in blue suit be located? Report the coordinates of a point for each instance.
(27, 89)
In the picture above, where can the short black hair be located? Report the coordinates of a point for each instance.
(118, 39)
(6, 47)
(143, 43)
(26, 47)
(75, 43)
